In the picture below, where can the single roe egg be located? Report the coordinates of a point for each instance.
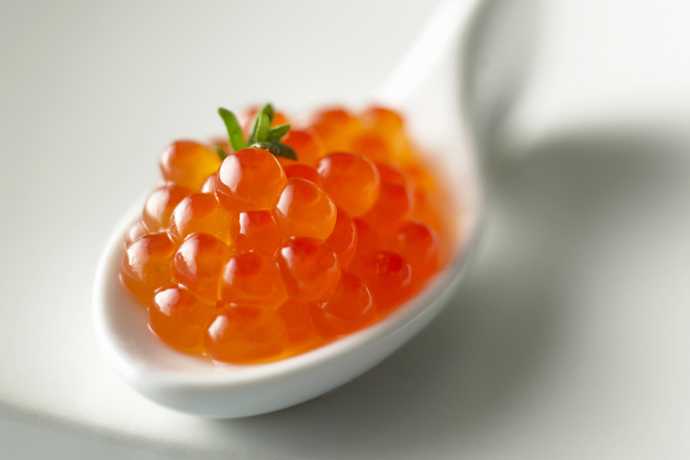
(351, 307)
(351, 180)
(199, 262)
(188, 163)
(178, 317)
(249, 180)
(309, 267)
(242, 335)
(303, 209)
(253, 279)
(147, 265)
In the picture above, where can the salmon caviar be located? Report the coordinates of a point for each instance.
(253, 279)
(344, 238)
(418, 245)
(302, 171)
(424, 211)
(352, 181)
(298, 322)
(303, 209)
(382, 121)
(242, 335)
(160, 205)
(334, 127)
(188, 163)
(209, 185)
(393, 175)
(309, 267)
(249, 180)
(198, 264)
(257, 231)
(135, 232)
(389, 127)
(388, 276)
(200, 212)
(279, 239)
(368, 239)
(351, 307)
(392, 207)
(146, 265)
(371, 146)
(178, 317)
(307, 146)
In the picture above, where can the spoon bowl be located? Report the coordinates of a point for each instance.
(426, 89)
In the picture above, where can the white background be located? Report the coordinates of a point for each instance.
(570, 337)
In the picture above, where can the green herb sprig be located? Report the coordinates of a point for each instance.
(263, 136)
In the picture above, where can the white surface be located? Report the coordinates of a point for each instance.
(570, 338)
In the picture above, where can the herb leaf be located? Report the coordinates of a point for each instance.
(261, 128)
(278, 149)
(268, 110)
(286, 151)
(279, 131)
(267, 138)
(235, 135)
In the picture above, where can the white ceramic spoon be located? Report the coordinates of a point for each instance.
(426, 87)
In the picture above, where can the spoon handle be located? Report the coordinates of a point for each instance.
(432, 65)
(427, 84)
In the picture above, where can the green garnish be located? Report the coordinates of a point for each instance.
(279, 131)
(235, 135)
(261, 128)
(263, 136)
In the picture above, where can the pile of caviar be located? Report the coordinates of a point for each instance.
(256, 257)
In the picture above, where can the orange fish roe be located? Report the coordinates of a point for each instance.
(352, 181)
(372, 146)
(135, 232)
(307, 146)
(201, 213)
(253, 279)
(209, 185)
(280, 241)
(309, 267)
(388, 276)
(382, 121)
(351, 307)
(418, 245)
(392, 208)
(147, 265)
(160, 205)
(424, 211)
(257, 231)
(248, 180)
(388, 127)
(297, 319)
(188, 163)
(344, 238)
(199, 262)
(303, 172)
(303, 209)
(335, 127)
(393, 175)
(179, 318)
(243, 335)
